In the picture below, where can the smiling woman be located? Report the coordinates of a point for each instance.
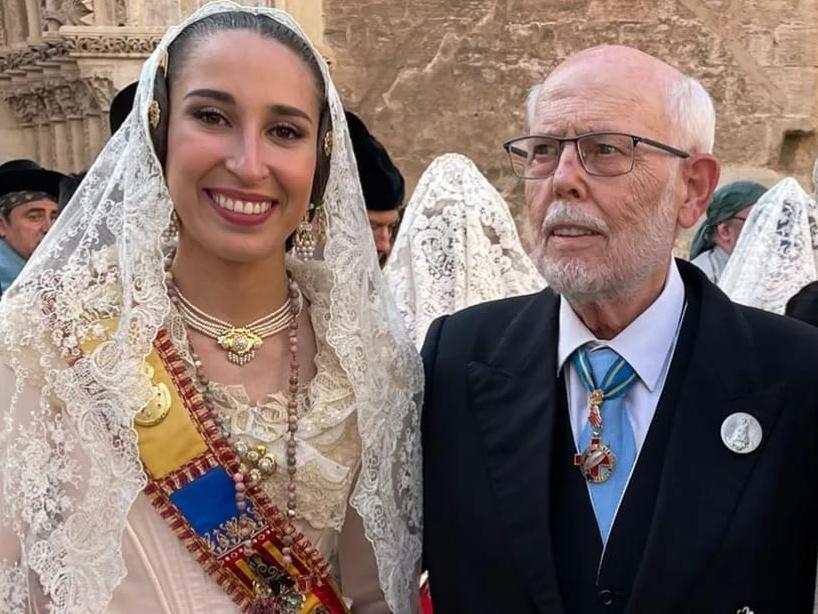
(216, 419)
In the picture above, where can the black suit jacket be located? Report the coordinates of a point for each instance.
(727, 530)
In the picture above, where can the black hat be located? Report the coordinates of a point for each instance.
(381, 181)
(28, 176)
(121, 106)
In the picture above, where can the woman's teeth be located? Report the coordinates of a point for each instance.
(241, 206)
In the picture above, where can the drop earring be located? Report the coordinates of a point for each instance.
(305, 241)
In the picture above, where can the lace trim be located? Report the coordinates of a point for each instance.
(457, 246)
(775, 254)
(71, 468)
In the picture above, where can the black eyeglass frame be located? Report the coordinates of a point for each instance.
(562, 140)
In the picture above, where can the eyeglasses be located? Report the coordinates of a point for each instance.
(602, 154)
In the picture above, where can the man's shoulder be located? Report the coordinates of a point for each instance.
(780, 338)
(476, 331)
(492, 316)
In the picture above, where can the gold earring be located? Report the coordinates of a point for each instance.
(328, 143)
(305, 240)
(154, 113)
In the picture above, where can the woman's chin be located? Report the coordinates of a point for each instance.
(241, 253)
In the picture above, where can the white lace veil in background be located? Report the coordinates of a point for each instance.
(70, 465)
(775, 254)
(457, 246)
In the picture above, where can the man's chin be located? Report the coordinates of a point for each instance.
(576, 279)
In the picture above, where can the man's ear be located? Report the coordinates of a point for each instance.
(723, 231)
(701, 176)
(4, 226)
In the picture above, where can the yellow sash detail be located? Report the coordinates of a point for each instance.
(174, 441)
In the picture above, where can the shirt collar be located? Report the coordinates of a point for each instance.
(11, 263)
(645, 343)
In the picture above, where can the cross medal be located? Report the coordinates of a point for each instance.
(597, 461)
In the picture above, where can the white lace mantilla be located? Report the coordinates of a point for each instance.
(457, 246)
(775, 254)
(70, 468)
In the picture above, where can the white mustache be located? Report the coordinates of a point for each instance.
(562, 213)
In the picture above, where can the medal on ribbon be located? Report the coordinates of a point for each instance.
(597, 461)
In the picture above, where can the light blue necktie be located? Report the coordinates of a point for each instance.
(604, 371)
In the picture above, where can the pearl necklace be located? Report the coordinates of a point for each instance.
(254, 466)
(240, 342)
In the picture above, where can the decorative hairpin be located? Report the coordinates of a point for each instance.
(154, 114)
(328, 143)
(163, 63)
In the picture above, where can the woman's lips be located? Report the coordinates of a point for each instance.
(244, 211)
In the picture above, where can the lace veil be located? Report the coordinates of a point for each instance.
(457, 246)
(775, 254)
(70, 467)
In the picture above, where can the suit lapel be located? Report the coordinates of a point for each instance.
(702, 481)
(514, 400)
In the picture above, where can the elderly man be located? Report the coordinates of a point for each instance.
(717, 236)
(628, 440)
(28, 207)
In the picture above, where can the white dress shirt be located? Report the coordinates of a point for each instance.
(712, 263)
(647, 344)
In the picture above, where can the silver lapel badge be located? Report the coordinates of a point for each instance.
(742, 434)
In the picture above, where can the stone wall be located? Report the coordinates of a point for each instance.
(431, 77)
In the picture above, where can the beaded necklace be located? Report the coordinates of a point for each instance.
(256, 462)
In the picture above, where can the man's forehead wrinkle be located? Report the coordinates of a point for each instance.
(596, 111)
(606, 92)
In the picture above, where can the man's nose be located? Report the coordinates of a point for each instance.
(569, 179)
(382, 239)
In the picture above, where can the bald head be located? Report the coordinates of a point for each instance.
(669, 104)
(615, 65)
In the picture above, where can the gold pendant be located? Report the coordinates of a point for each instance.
(241, 345)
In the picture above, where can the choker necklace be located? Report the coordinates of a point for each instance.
(240, 342)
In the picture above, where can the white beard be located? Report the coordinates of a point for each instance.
(632, 257)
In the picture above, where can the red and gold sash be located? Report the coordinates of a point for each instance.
(189, 464)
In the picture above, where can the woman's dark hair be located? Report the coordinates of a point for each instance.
(69, 185)
(184, 44)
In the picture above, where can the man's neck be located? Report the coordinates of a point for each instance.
(608, 317)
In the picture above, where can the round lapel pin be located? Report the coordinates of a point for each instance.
(741, 433)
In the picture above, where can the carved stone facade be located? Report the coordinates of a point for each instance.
(62, 61)
(430, 76)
